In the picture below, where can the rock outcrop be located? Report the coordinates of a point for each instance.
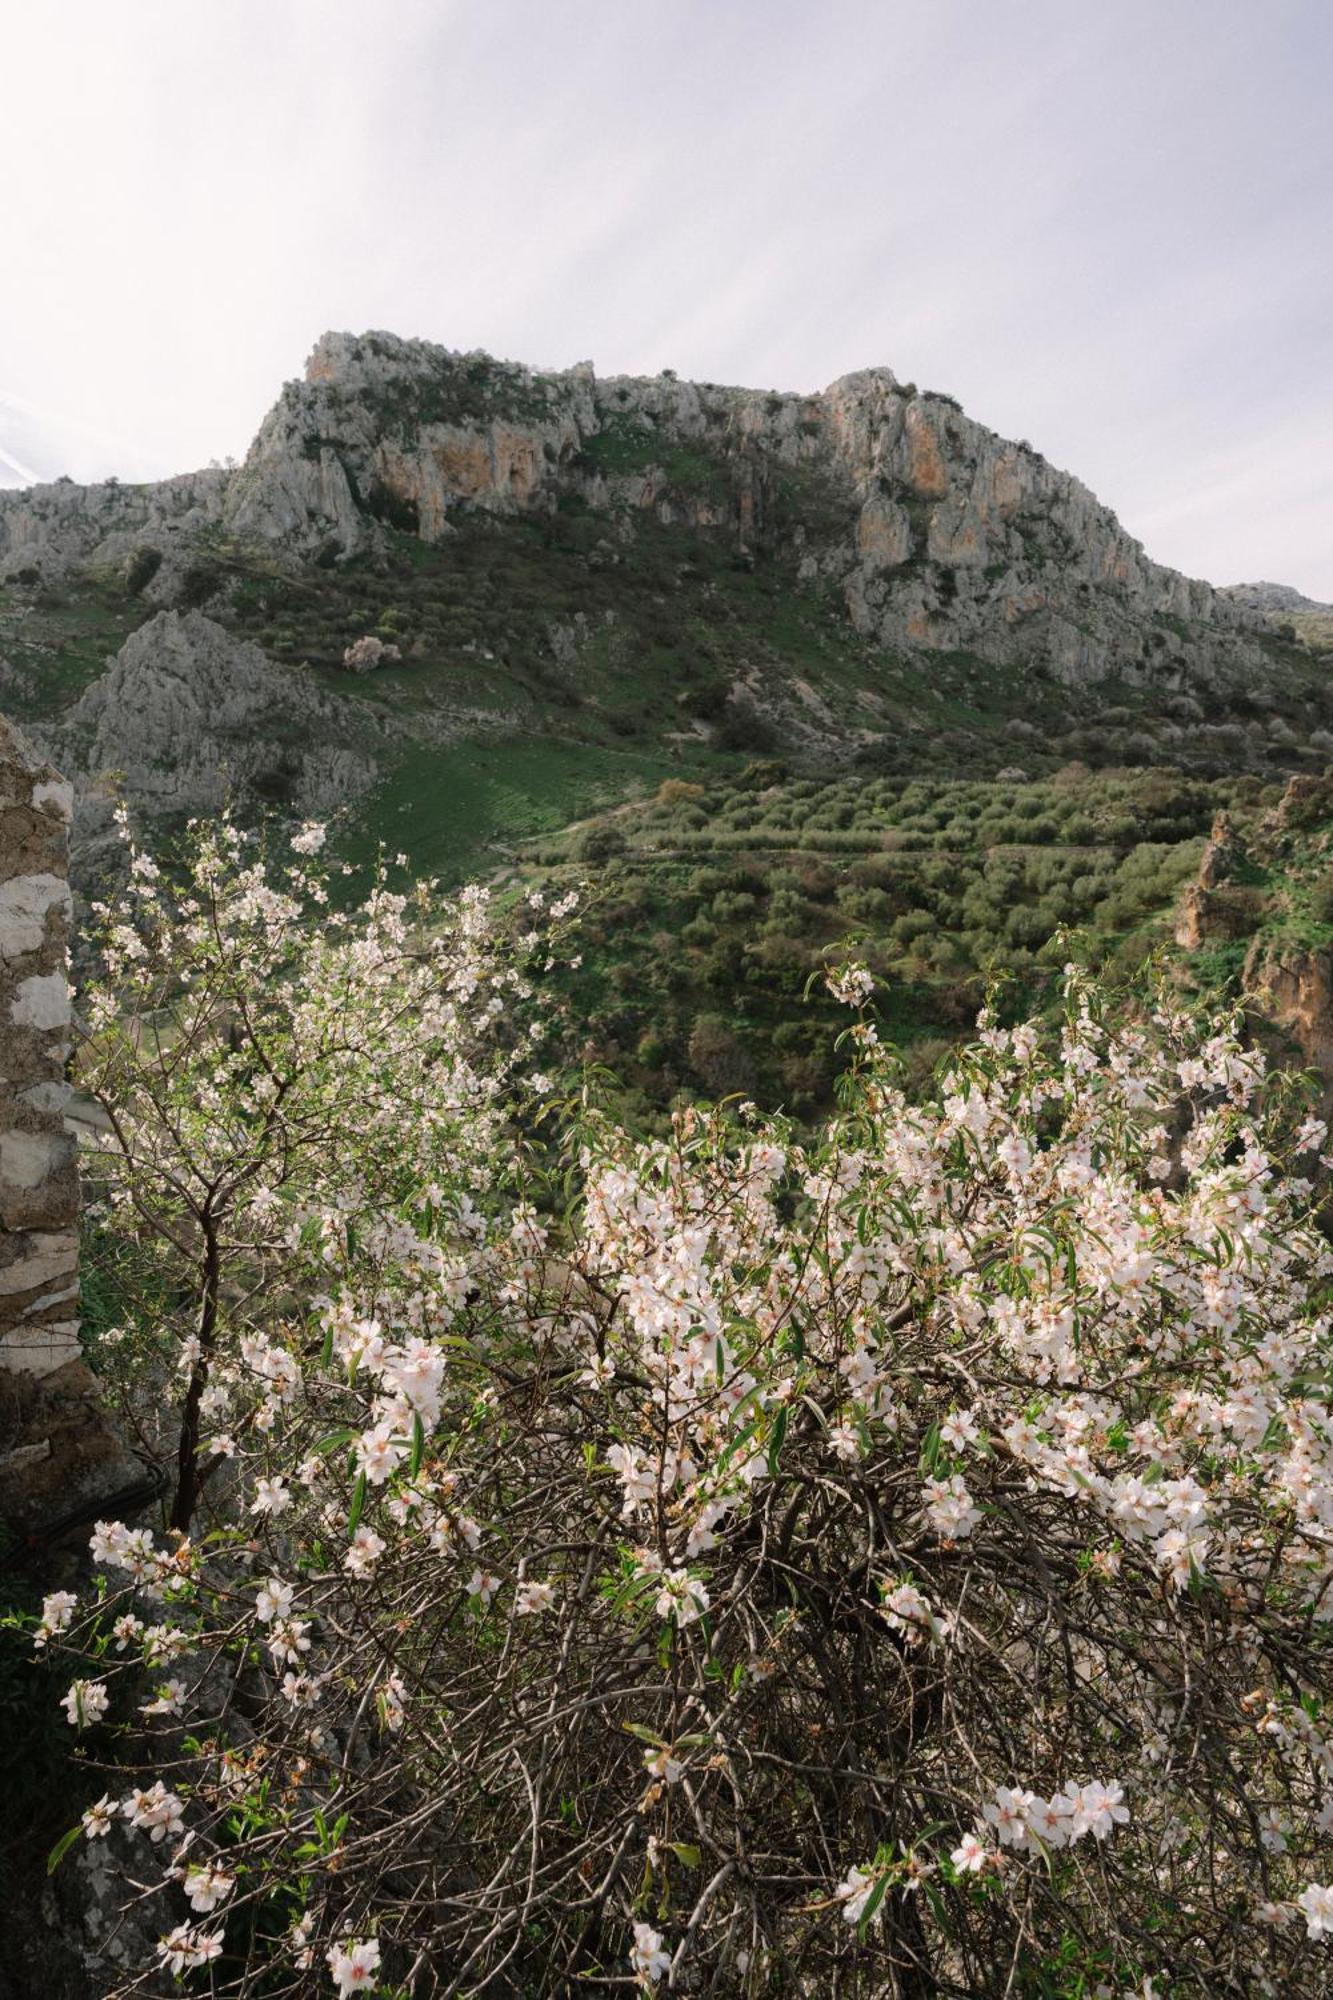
(48, 531)
(188, 716)
(1292, 987)
(1211, 910)
(1276, 600)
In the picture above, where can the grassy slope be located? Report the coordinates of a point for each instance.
(457, 809)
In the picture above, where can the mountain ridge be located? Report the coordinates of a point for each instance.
(620, 575)
(951, 536)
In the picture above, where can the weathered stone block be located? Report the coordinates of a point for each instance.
(41, 1002)
(29, 1158)
(40, 1349)
(54, 795)
(34, 1259)
(26, 905)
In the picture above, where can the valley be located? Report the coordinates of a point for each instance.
(763, 673)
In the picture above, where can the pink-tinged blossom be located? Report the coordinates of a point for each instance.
(155, 1811)
(483, 1585)
(300, 1690)
(98, 1818)
(366, 1549)
(208, 1885)
(272, 1496)
(1098, 1810)
(1008, 1813)
(126, 1630)
(682, 1597)
(288, 1639)
(949, 1507)
(392, 1702)
(169, 1700)
(86, 1703)
(1315, 1904)
(852, 984)
(57, 1611)
(647, 1958)
(379, 1453)
(186, 1948)
(354, 1965)
(274, 1600)
(909, 1612)
(959, 1430)
(854, 1892)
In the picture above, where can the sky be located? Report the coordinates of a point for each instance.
(1106, 226)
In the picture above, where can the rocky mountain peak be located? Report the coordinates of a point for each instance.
(936, 534)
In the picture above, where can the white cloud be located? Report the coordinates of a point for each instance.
(1103, 229)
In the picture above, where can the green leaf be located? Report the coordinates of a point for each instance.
(743, 1437)
(62, 1847)
(418, 1446)
(775, 1438)
(873, 1901)
(687, 1851)
(358, 1502)
(333, 1440)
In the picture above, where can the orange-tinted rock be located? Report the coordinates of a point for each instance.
(1294, 988)
(926, 471)
(883, 532)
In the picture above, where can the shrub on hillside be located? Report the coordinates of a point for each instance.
(718, 1057)
(598, 842)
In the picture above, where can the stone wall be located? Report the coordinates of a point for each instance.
(39, 1179)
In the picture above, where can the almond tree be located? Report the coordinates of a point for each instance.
(894, 1564)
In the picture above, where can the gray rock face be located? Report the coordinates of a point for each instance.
(405, 430)
(54, 529)
(938, 534)
(187, 715)
(1271, 598)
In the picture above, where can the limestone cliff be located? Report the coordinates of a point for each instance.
(46, 531)
(936, 534)
(939, 534)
